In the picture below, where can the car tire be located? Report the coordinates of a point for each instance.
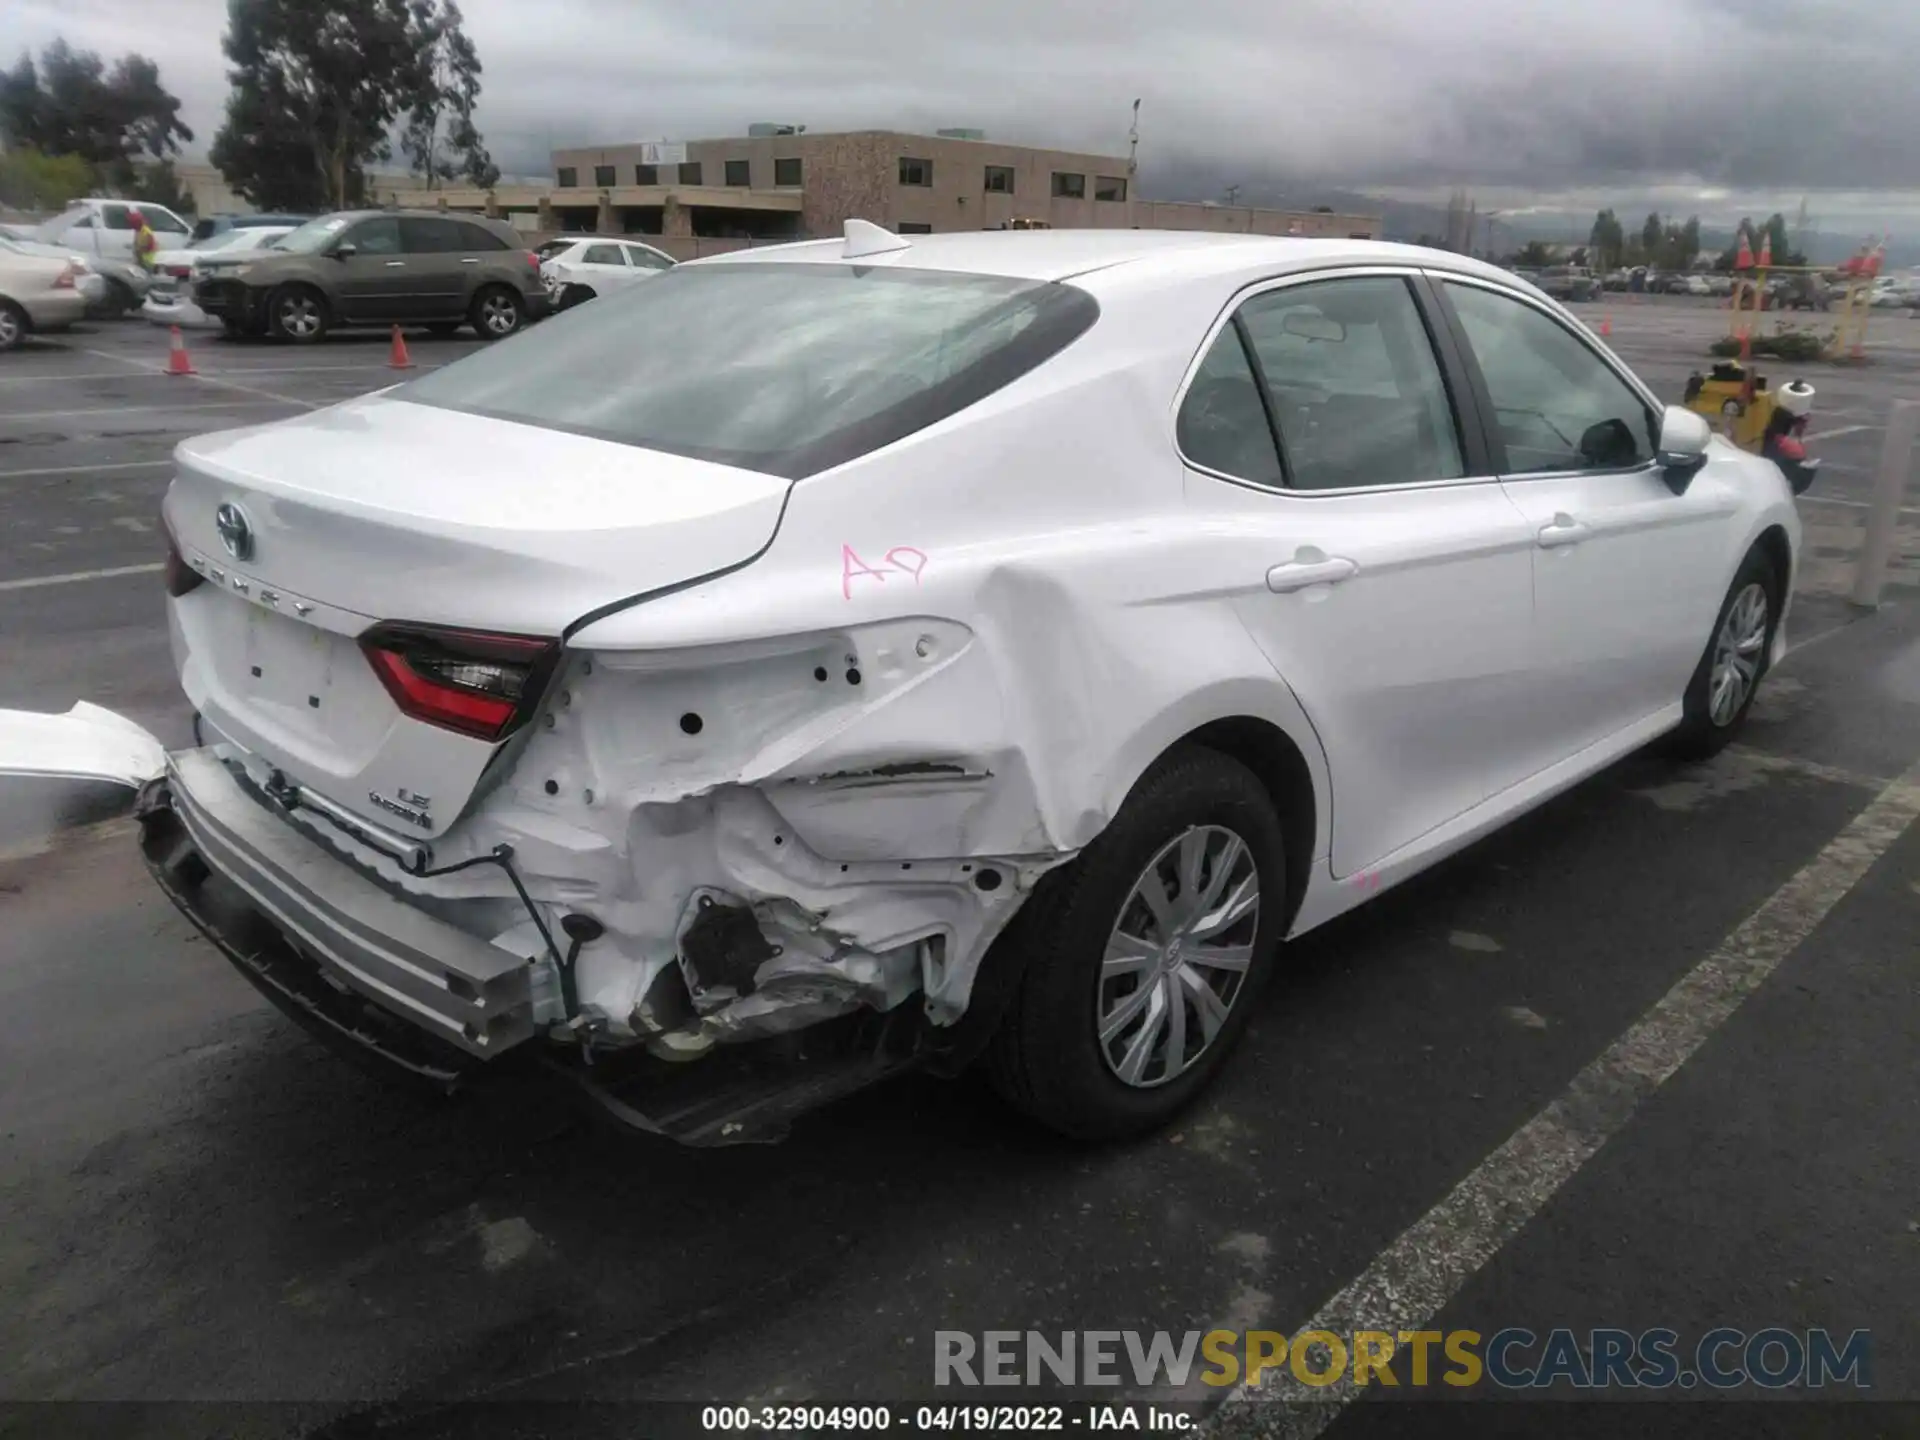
(297, 314)
(1741, 643)
(498, 312)
(15, 326)
(1048, 1056)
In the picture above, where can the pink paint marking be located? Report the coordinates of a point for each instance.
(919, 557)
(903, 558)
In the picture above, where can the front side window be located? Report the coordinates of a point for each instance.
(1558, 405)
(641, 258)
(116, 217)
(1355, 387)
(163, 222)
(1069, 186)
(784, 369)
(379, 236)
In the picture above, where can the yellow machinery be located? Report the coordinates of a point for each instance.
(1736, 396)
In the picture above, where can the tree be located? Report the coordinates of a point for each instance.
(1534, 254)
(441, 139)
(1608, 240)
(1651, 235)
(72, 104)
(314, 95)
(32, 181)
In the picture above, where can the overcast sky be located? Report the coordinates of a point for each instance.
(1719, 105)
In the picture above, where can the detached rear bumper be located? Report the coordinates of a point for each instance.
(335, 938)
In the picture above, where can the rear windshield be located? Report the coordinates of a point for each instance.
(787, 369)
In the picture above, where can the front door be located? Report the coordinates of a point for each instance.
(374, 283)
(1626, 578)
(1394, 593)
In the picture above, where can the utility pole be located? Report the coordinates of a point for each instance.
(1233, 194)
(1133, 147)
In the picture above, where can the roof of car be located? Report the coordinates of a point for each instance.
(1061, 254)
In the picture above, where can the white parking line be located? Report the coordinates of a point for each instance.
(84, 469)
(133, 410)
(1841, 430)
(78, 575)
(210, 380)
(1849, 504)
(1414, 1278)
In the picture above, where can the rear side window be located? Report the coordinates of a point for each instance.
(479, 237)
(1223, 421)
(426, 237)
(602, 255)
(642, 258)
(1355, 386)
(380, 236)
(784, 369)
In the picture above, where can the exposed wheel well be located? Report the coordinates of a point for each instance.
(1773, 544)
(1266, 749)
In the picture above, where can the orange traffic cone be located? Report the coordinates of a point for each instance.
(1743, 260)
(399, 360)
(178, 361)
(1766, 250)
(1606, 326)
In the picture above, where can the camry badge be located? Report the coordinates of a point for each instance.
(235, 532)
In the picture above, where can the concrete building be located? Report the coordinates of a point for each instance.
(707, 195)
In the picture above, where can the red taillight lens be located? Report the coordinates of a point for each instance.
(179, 272)
(180, 576)
(476, 683)
(65, 279)
(533, 261)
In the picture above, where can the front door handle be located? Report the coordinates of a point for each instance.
(1563, 529)
(1310, 567)
(395, 264)
(471, 260)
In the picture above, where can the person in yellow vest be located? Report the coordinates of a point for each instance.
(145, 243)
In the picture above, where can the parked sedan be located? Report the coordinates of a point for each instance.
(377, 267)
(170, 301)
(576, 268)
(86, 279)
(913, 651)
(38, 293)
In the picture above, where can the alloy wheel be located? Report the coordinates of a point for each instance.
(499, 314)
(300, 316)
(1178, 956)
(10, 331)
(1737, 654)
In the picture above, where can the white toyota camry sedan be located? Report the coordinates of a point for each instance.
(878, 653)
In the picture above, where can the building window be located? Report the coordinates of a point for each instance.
(646, 174)
(786, 173)
(912, 227)
(567, 177)
(916, 172)
(603, 175)
(690, 172)
(739, 173)
(1109, 187)
(999, 180)
(1069, 186)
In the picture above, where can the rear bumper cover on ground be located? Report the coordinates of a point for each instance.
(455, 987)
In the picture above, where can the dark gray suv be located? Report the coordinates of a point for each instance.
(377, 267)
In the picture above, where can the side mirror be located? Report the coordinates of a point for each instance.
(1682, 454)
(345, 250)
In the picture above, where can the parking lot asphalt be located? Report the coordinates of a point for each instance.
(202, 1205)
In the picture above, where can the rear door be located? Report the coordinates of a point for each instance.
(1393, 573)
(487, 259)
(1626, 578)
(436, 252)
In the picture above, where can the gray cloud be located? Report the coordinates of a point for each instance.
(1734, 95)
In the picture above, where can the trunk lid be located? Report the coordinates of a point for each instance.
(380, 512)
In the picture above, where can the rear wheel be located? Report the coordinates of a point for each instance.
(1145, 956)
(297, 313)
(1729, 675)
(497, 312)
(14, 326)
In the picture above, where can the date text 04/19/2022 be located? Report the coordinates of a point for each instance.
(943, 1419)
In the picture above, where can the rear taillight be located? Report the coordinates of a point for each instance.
(478, 684)
(65, 279)
(180, 576)
(533, 262)
(179, 272)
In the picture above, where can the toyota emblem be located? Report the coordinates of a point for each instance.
(235, 533)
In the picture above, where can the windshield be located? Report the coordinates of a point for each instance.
(783, 368)
(313, 236)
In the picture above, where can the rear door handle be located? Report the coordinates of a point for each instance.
(471, 260)
(1299, 574)
(395, 264)
(1563, 529)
